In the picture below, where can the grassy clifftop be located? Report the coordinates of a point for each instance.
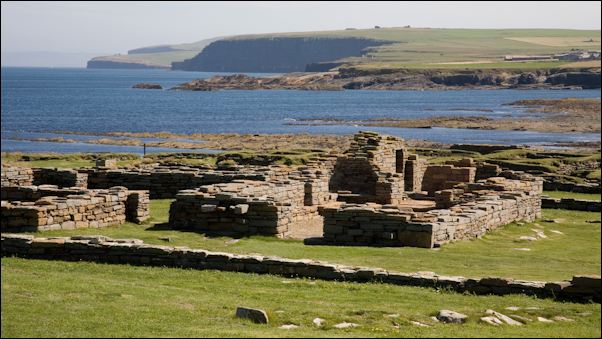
(459, 48)
(150, 57)
(422, 48)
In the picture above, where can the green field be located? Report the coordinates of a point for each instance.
(576, 167)
(496, 254)
(430, 48)
(64, 299)
(162, 59)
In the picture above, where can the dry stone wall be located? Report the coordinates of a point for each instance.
(74, 208)
(571, 204)
(137, 206)
(33, 193)
(165, 182)
(135, 252)
(414, 172)
(371, 170)
(60, 177)
(438, 177)
(16, 176)
(243, 208)
(476, 209)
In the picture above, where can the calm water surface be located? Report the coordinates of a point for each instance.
(36, 101)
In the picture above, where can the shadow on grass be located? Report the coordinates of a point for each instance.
(167, 227)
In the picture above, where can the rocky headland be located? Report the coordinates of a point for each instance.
(406, 79)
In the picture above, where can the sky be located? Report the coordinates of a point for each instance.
(101, 28)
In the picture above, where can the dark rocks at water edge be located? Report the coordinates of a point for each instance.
(145, 85)
(404, 79)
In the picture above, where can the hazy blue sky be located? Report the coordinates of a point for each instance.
(110, 27)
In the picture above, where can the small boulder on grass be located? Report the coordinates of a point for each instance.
(451, 317)
(256, 315)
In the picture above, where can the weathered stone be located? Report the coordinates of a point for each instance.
(345, 325)
(506, 319)
(255, 315)
(447, 316)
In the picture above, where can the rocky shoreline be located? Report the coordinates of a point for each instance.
(405, 79)
(557, 116)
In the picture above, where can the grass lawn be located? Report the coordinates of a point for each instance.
(561, 194)
(559, 257)
(65, 299)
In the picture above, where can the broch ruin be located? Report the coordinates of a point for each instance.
(375, 194)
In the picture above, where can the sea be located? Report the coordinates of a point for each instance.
(42, 103)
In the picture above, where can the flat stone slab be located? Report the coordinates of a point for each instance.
(451, 317)
(345, 325)
(256, 315)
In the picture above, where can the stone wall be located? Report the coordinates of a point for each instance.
(571, 204)
(85, 209)
(243, 208)
(135, 252)
(60, 177)
(571, 187)
(16, 176)
(165, 182)
(137, 206)
(439, 177)
(414, 172)
(474, 210)
(485, 170)
(371, 170)
(33, 193)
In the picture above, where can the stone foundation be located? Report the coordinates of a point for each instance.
(476, 209)
(371, 170)
(16, 176)
(370, 181)
(135, 252)
(164, 182)
(49, 208)
(441, 177)
(243, 208)
(60, 177)
(137, 206)
(571, 204)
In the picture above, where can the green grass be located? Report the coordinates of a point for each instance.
(72, 160)
(573, 195)
(421, 48)
(570, 166)
(65, 299)
(181, 52)
(427, 48)
(492, 255)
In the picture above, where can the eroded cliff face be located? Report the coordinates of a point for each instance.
(274, 55)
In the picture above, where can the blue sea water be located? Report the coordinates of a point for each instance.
(43, 100)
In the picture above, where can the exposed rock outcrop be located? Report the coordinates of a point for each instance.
(383, 79)
(144, 85)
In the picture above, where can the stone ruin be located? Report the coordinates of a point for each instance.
(43, 199)
(375, 194)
